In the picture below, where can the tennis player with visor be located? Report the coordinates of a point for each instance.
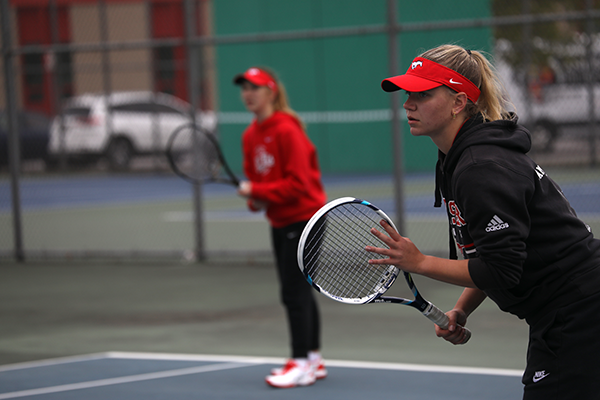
(522, 244)
(284, 179)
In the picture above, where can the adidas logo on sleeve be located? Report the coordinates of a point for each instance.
(496, 224)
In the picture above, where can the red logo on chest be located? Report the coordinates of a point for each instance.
(457, 219)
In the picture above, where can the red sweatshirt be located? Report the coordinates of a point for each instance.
(281, 162)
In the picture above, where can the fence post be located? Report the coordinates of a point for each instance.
(397, 151)
(190, 12)
(13, 136)
(106, 67)
(590, 83)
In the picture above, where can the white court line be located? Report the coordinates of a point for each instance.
(124, 379)
(319, 117)
(226, 362)
(236, 214)
(52, 361)
(332, 363)
(264, 360)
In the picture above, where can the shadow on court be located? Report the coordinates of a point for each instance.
(173, 310)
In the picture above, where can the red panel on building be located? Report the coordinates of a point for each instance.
(170, 74)
(34, 28)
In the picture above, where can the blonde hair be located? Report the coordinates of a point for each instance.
(473, 65)
(281, 102)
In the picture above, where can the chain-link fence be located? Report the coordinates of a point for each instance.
(93, 89)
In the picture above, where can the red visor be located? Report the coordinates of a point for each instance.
(257, 77)
(425, 75)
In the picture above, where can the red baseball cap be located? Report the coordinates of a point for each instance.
(424, 74)
(257, 77)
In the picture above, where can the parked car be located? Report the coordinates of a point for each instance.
(556, 108)
(560, 106)
(118, 127)
(557, 98)
(33, 135)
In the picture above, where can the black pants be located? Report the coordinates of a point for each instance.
(563, 357)
(296, 294)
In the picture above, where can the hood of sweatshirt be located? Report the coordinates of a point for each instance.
(502, 133)
(278, 117)
(475, 131)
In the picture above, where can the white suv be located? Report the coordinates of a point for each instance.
(562, 104)
(119, 126)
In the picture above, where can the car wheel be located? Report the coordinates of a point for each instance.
(119, 154)
(543, 136)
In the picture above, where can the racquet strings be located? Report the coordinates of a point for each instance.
(335, 257)
(195, 155)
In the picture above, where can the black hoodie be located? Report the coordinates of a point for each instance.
(527, 249)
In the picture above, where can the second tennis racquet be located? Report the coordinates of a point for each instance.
(195, 155)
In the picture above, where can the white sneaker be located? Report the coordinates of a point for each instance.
(318, 367)
(320, 370)
(291, 375)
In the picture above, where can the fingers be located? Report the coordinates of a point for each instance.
(381, 251)
(458, 334)
(245, 189)
(393, 234)
(390, 229)
(393, 237)
(390, 241)
(462, 336)
(400, 251)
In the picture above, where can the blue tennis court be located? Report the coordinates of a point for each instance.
(134, 376)
(162, 316)
(76, 192)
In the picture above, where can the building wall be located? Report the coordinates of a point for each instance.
(128, 68)
(81, 23)
(335, 82)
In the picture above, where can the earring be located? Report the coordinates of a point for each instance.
(453, 115)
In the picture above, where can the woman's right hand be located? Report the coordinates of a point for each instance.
(455, 333)
(245, 189)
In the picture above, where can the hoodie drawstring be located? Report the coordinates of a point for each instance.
(439, 179)
(438, 184)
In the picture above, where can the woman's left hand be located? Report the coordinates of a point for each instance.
(402, 252)
(257, 205)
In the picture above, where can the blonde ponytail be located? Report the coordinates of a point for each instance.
(473, 65)
(281, 102)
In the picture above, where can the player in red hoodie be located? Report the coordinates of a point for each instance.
(284, 179)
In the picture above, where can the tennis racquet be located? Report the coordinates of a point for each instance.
(195, 155)
(332, 257)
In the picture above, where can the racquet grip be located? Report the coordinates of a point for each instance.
(439, 318)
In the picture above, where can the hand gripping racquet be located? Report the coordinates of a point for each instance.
(332, 257)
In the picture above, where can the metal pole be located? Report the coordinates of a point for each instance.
(56, 80)
(190, 12)
(106, 70)
(590, 78)
(397, 150)
(13, 128)
(526, 51)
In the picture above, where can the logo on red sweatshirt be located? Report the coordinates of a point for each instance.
(263, 160)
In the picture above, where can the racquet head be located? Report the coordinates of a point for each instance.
(195, 155)
(333, 259)
(332, 255)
